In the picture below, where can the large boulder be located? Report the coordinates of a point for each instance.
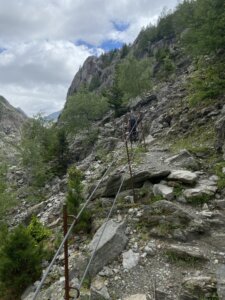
(112, 242)
(138, 180)
(170, 220)
(183, 176)
(186, 252)
(184, 159)
(203, 188)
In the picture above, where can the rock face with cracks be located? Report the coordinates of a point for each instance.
(111, 244)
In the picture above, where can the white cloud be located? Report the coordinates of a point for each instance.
(41, 59)
(37, 75)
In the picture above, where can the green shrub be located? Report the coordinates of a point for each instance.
(182, 260)
(20, 263)
(82, 109)
(200, 199)
(75, 199)
(37, 230)
(95, 83)
(115, 94)
(218, 168)
(134, 77)
(44, 150)
(207, 83)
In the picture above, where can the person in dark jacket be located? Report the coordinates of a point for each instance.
(132, 127)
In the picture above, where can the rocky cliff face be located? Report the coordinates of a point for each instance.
(11, 119)
(96, 72)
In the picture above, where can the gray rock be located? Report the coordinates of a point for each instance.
(163, 190)
(198, 287)
(99, 290)
(165, 217)
(151, 248)
(136, 297)
(54, 292)
(110, 246)
(130, 259)
(185, 251)
(139, 178)
(220, 204)
(184, 159)
(183, 176)
(108, 144)
(160, 295)
(204, 187)
(220, 274)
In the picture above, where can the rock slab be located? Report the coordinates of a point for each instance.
(107, 246)
(183, 176)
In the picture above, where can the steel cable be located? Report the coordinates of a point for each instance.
(101, 235)
(76, 219)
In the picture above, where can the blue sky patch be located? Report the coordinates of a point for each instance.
(83, 43)
(120, 26)
(2, 49)
(111, 44)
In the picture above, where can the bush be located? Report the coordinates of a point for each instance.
(37, 230)
(44, 150)
(20, 263)
(75, 199)
(134, 77)
(82, 109)
(208, 82)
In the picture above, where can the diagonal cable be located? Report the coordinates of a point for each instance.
(103, 230)
(75, 220)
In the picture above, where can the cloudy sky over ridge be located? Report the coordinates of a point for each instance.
(43, 43)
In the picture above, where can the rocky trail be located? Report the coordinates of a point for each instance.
(166, 248)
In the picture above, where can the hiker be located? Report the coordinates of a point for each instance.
(132, 127)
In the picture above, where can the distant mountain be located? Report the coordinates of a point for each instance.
(54, 116)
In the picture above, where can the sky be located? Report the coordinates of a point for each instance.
(43, 43)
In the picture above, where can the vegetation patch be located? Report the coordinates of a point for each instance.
(199, 140)
(200, 199)
(207, 82)
(20, 264)
(218, 169)
(182, 260)
(75, 199)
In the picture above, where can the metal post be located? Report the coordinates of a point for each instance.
(66, 266)
(129, 164)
